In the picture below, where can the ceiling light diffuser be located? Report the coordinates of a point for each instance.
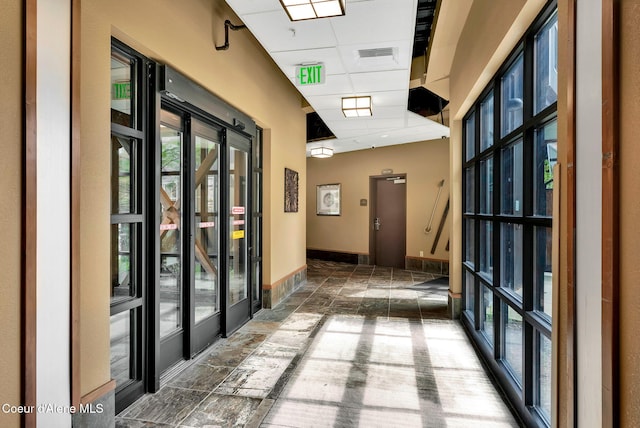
(357, 106)
(299, 10)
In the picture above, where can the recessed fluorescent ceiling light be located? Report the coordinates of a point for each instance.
(299, 10)
(356, 106)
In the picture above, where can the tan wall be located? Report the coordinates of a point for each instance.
(183, 35)
(629, 214)
(10, 208)
(491, 32)
(425, 164)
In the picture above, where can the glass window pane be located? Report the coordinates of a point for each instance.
(123, 77)
(486, 186)
(546, 68)
(122, 343)
(545, 157)
(469, 189)
(469, 242)
(512, 336)
(470, 138)
(123, 261)
(542, 269)
(512, 179)
(486, 123)
(469, 291)
(486, 249)
(487, 314)
(123, 175)
(511, 257)
(512, 93)
(544, 375)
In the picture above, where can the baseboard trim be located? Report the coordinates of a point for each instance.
(98, 392)
(272, 294)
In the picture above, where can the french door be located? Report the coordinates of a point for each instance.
(203, 256)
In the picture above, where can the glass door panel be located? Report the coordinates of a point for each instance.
(206, 221)
(238, 167)
(170, 284)
(238, 265)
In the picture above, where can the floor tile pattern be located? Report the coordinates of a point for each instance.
(356, 346)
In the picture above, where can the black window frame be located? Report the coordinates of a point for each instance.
(523, 394)
(128, 392)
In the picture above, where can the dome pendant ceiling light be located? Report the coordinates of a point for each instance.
(321, 152)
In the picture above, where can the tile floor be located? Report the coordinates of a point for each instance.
(356, 346)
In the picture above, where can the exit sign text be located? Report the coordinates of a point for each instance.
(310, 74)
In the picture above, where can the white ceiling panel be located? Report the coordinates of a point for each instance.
(390, 98)
(381, 81)
(277, 33)
(379, 124)
(243, 7)
(366, 52)
(377, 21)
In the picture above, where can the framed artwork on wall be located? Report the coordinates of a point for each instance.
(328, 199)
(290, 191)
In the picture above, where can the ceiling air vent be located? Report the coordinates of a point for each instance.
(376, 53)
(377, 56)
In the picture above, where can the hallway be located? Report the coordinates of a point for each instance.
(355, 346)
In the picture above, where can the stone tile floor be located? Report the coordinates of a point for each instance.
(356, 346)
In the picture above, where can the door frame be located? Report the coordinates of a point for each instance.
(373, 198)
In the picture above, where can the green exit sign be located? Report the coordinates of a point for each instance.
(313, 74)
(121, 90)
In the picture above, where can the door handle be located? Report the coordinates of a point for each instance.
(376, 223)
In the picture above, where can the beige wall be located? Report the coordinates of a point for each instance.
(183, 35)
(425, 165)
(629, 214)
(10, 208)
(491, 32)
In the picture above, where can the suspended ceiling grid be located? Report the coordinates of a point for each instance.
(338, 43)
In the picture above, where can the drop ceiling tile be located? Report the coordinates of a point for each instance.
(385, 123)
(376, 21)
(390, 98)
(380, 81)
(277, 33)
(346, 125)
(336, 115)
(243, 7)
(325, 102)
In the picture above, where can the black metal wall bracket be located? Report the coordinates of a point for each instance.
(227, 25)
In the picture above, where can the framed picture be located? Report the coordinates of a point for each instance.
(290, 191)
(328, 199)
